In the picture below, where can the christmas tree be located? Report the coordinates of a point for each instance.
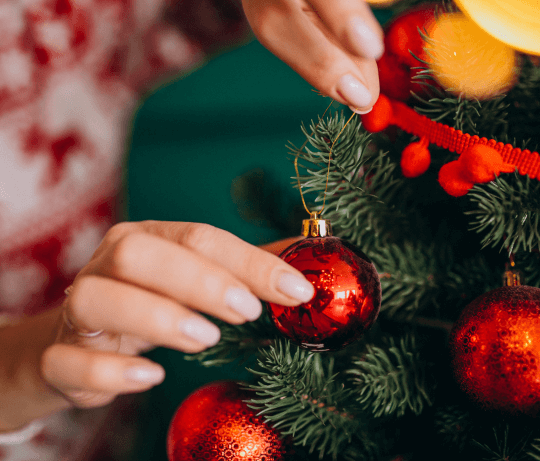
(443, 242)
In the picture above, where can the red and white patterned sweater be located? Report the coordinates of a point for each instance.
(71, 72)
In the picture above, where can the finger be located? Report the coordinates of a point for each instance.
(303, 41)
(353, 24)
(172, 270)
(102, 303)
(266, 275)
(278, 247)
(67, 367)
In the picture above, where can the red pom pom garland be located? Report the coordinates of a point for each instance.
(481, 159)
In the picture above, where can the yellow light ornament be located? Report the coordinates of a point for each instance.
(467, 61)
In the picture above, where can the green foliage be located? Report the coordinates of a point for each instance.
(529, 264)
(454, 424)
(409, 281)
(298, 394)
(391, 381)
(524, 106)
(508, 213)
(535, 453)
(237, 342)
(504, 449)
(361, 183)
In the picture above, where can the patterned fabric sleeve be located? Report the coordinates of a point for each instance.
(71, 73)
(183, 34)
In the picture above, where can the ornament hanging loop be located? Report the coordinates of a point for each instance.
(314, 214)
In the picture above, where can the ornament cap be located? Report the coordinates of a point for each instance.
(315, 227)
(512, 276)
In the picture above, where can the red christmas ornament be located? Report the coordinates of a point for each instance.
(215, 424)
(495, 347)
(347, 291)
(397, 65)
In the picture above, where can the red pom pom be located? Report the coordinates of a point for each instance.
(480, 164)
(415, 159)
(380, 116)
(451, 181)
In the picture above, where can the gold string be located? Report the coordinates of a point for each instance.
(315, 214)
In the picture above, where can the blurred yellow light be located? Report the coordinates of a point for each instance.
(514, 22)
(468, 61)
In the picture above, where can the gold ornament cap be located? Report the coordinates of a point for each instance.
(512, 276)
(315, 227)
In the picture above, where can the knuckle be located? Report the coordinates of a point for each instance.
(82, 289)
(126, 253)
(46, 363)
(261, 266)
(94, 374)
(162, 320)
(119, 230)
(198, 236)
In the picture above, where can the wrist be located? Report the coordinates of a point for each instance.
(24, 394)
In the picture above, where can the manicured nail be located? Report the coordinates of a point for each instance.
(146, 375)
(361, 112)
(201, 330)
(353, 91)
(244, 303)
(296, 287)
(365, 41)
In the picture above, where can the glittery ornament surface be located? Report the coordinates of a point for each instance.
(495, 346)
(347, 295)
(214, 424)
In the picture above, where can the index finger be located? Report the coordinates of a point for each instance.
(266, 275)
(353, 24)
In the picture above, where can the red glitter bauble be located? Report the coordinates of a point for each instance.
(495, 347)
(347, 295)
(215, 424)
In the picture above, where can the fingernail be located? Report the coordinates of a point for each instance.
(201, 330)
(361, 112)
(353, 91)
(146, 375)
(366, 42)
(244, 303)
(296, 287)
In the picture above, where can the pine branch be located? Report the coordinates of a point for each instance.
(524, 107)
(238, 342)
(508, 212)
(454, 424)
(504, 450)
(390, 382)
(299, 395)
(410, 279)
(535, 453)
(361, 183)
(529, 264)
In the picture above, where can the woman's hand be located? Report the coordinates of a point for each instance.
(147, 285)
(333, 44)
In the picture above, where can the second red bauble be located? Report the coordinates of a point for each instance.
(215, 424)
(347, 295)
(495, 347)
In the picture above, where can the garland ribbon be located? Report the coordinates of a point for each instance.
(480, 161)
